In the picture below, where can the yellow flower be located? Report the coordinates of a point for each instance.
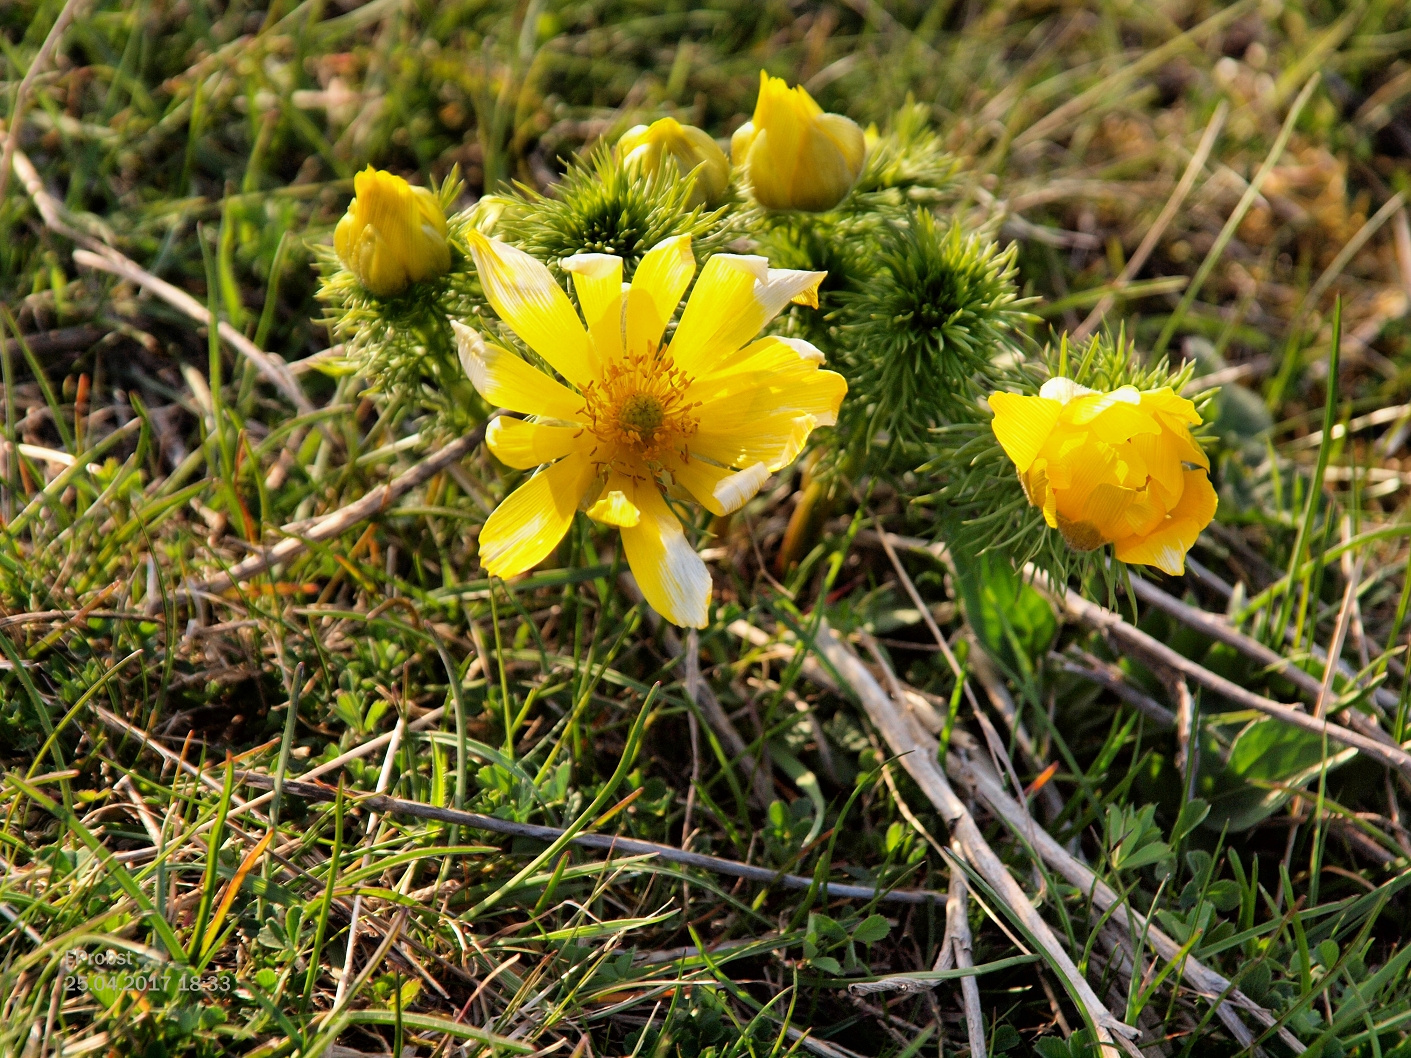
(710, 414)
(687, 147)
(393, 234)
(798, 157)
(1119, 468)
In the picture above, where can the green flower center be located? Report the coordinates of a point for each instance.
(642, 413)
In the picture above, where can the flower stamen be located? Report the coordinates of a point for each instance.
(639, 407)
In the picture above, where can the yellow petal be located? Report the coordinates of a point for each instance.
(393, 234)
(798, 157)
(770, 354)
(766, 418)
(506, 381)
(1163, 465)
(663, 275)
(775, 441)
(642, 325)
(1022, 424)
(615, 509)
(720, 490)
(1114, 417)
(1062, 389)
(1087, 466)
(740, 142)
(1106, 509)
(523, 294)
(673, 579)
(1167, 545)
(1166, 402)
(524, 445)
(689, 150)
(522, 530)
(734, 298)
(597, 279)
(848, 141)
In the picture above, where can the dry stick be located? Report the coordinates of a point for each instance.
(959, 941)
(990, 789)
(1345, 612)
(1187, 744)
(313, 773)
(612, 844)
(1138, 642)
(339, 521)
(383, 778)
(1110, 676)
(272, 367)
(705, 700)
(900, 731)
(38, 66)
(996, 694)
(106, 259)
(1217, 627)
(1154, 233)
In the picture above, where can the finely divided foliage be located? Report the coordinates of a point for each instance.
(524, 533)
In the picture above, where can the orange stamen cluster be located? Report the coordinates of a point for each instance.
(639, 407)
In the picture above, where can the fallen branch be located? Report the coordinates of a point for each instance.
(275, 370)
(704, 699)
(959, 942)
(102, 257)
(896, 725)
(1211, 985)
(1135, 641)
(385, 805)
(334, 523)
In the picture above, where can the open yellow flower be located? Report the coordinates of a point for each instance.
(1119, 468)
(393, 234)
(690, 149)
(798, 157)
(710, 414)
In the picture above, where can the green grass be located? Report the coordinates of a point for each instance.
(215, 146)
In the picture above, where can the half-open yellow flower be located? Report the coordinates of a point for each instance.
(1119, 468)
(689, 149)
(635, 418)
(393, 234)
(798, 157)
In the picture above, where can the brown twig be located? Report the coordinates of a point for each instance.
(1124, 635)
(911, 745)
(38, 66)
(703, 697)
(275, 371)
(959, 942)
(607, 842)
(334, 523)
(1163, 220)
(990, 789)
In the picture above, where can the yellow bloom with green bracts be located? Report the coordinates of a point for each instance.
(634, 417)
(691, 150)
(393, 234)
(797, 156)
(1116, 468)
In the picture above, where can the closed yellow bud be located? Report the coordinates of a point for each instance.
(691, 150)
(393, 234)
(1115, 468)
(798, 157)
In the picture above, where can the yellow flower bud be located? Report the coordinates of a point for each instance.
(393, 234)
(798, 157)
(690, 149)
(1119, 468)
